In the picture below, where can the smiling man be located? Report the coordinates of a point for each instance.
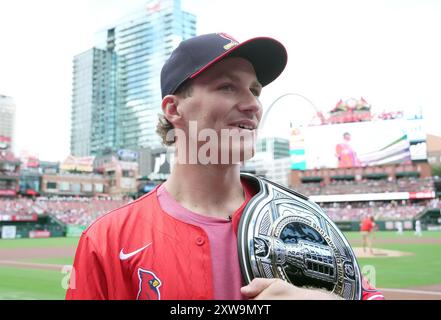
(216, 120)
(180, 241)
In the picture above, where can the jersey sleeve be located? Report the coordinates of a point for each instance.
(369, 292)
(87, 279)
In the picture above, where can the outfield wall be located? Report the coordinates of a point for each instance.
(47, 226)
(35, 227)
(386, 225)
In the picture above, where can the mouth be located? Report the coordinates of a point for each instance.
(245, 125)
(241, 126)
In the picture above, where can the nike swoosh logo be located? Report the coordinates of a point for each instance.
(125, 256)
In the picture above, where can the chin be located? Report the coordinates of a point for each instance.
(241, 154)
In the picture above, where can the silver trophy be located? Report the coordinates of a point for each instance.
(284, 235)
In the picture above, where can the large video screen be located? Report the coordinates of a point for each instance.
(358, 144)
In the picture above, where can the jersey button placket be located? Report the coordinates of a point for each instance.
(200, 241)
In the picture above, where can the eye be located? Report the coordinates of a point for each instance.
(227, 87)
(255, 92)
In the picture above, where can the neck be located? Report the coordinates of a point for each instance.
(213, 190)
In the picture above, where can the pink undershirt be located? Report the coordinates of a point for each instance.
(227, 278)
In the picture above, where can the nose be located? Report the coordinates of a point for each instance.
(250, 103)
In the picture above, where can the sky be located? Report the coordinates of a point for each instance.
(386, 51)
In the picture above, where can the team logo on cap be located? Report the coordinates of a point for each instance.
(149, 285)
(233, 42)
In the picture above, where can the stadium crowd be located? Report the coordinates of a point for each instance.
(82, 211)
(70, 210)
(354, 211)
(435, 203)
(366, 186)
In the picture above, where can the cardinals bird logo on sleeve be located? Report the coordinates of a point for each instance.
(149, 285)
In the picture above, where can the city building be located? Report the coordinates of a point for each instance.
(434, 149)
(67, 184)
(155, 163)
(120, 169)
(116, 94)
(272, 160)
(93, 102)
(9, 174)
(7, 122)
(30, 176)
(277, 147)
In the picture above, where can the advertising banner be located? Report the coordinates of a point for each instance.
(39, 234)
(74, 230)
(9, 232)
(81, 164)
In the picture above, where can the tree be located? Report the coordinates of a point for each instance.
(436, 170)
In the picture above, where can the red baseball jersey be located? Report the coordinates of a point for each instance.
(369, 292)
(366, 225)
(140, 252)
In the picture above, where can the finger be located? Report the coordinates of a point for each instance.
(256, 286)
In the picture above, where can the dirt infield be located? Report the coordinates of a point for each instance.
(18, 257)
(31, 265)
(379, 253)
(416, 240)
(36, 253)
(432, 292)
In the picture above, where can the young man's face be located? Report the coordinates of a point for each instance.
(224, 101)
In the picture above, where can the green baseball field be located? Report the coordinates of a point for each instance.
(402, 266)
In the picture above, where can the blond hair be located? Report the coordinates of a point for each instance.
(164, 126)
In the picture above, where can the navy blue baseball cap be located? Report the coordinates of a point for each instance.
(268, 57)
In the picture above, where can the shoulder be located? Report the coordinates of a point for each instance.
(135, 213)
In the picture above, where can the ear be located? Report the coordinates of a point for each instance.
(170, 108)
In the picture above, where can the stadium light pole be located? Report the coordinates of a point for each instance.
(265, 115)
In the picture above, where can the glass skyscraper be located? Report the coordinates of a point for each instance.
(116, 85)
(7, 122)
(93, 100)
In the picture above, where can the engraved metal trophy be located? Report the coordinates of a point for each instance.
(284, 235)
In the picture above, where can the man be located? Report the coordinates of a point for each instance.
(346, 156)
(399, 225)
(418, 228)
(367, 228)
(180, 240)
